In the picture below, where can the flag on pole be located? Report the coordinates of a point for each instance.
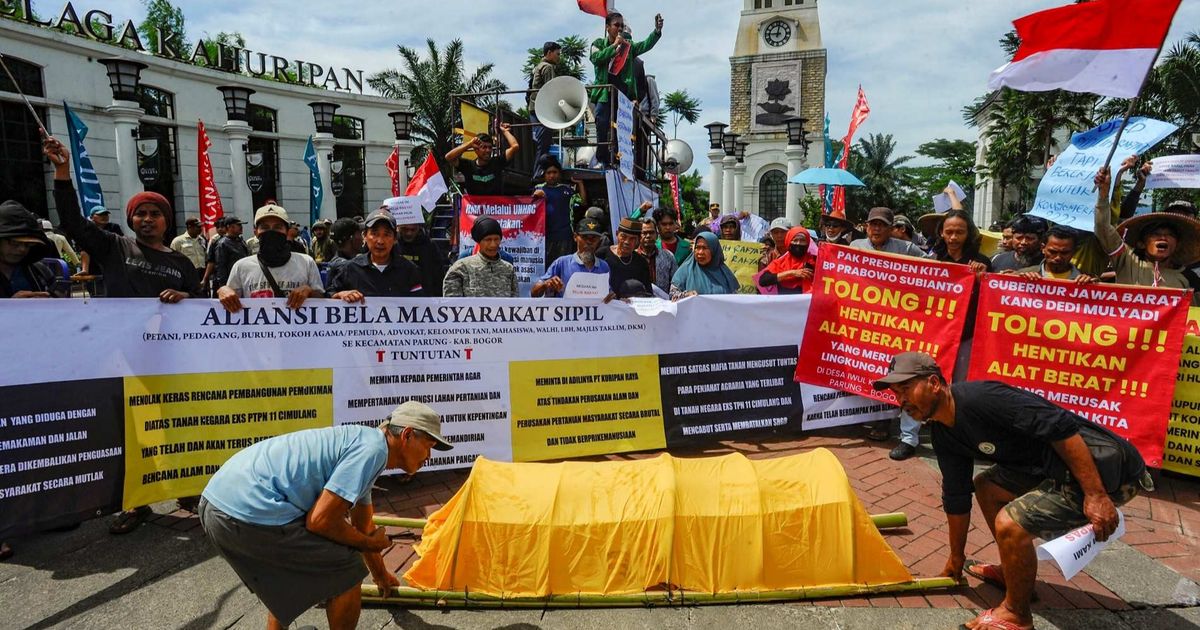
(393, 169)
(827, 191)
(597, 7)
(857, 117)
(674, 179)
(427, 184)
(1104, 47)
(316, 192)
(87, 183)
(210, 198)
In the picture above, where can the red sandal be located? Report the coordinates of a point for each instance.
(991, 574)
(987, 621)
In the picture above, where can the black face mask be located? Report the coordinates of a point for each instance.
(797, 250)
(273, 249)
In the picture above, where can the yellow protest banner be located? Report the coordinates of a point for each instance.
(573, 408)
(742, 259)
(1182, 451)
(180, 428)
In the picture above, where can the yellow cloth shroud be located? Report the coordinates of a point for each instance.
(715, 525)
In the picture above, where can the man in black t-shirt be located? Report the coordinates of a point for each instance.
(624, 263)
(484, 175)
(1052, 472)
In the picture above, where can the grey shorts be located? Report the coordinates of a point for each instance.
(288, 567)
(1047, 508)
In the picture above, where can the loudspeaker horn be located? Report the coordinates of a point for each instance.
(561, 103)
(678, 157)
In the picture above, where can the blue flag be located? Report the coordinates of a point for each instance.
(87, 184)
(315, 191)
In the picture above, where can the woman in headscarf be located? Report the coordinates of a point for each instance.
(793, 271)
(705, 273)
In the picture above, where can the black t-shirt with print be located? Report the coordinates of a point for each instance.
(1014, 428)
(483, 180)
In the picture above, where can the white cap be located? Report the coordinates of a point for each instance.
(270, 210)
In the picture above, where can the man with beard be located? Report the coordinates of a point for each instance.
(1057, 252)
(417, 248)
(584, 260)
(1026, 245)
(624, 263)
(382, 271)
(485, 273)
(660, 261)
(322, 249)
(230, 250)
(276, 270)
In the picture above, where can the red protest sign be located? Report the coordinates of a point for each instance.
(868, 307)
(1106, 352)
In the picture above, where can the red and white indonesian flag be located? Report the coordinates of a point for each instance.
(427, 184)
(1104, 47)
(598, 7)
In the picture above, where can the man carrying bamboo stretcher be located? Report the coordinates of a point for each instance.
(276, 511)
(1052, 472)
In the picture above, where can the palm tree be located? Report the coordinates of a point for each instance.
(681, 106)
(872, 160)
(570, 62)
(428, 84)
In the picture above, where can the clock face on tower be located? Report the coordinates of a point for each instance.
(777, 33)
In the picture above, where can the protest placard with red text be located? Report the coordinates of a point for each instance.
(868, 307)
(1106, 352)
(523, 226)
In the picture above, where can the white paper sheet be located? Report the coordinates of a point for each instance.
(1075, 549)
(587, 286)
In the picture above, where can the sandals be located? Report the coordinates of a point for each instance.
(129, 520)
(987, 621)
(990, 574)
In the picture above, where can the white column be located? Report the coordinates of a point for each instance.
(795, 163)
(729, 185)
(323, 144)
(739, 189)
(716, 175)
(238, 132)
(126, 116)
(404, 148)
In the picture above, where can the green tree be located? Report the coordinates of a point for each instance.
(954, 160)
(693, 201)
(162, 14)
(570, 61)
(428, 84)
(681, 106)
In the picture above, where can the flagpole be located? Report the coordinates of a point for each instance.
(1133, 104)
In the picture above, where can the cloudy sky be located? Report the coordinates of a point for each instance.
(919, 61)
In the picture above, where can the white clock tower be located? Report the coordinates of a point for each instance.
(777, 71)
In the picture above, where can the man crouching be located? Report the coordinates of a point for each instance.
(1053, 472)
(276, 512)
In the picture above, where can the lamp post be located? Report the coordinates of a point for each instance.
(323, 144)
(729, 143)
(402, 125)
(716, 153)
(237, 130)
(796, 153)
(124, 76)
(739, 177)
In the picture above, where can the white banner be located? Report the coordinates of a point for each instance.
(1175, 171)
(625, 133)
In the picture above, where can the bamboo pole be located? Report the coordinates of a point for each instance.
(891, 520)
(407, 596)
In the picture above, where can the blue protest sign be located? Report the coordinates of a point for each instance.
(1065, 195)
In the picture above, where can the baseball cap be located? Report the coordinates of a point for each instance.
(908, 365)
(729, 218)
(381, 215)
(781, 223)
(99, 210)
(588, 227)
(881, 214)
(234, 221)
(192, 221)
(419, 416)
(594, 213)
(271, 210)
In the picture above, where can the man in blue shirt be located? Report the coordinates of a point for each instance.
(559, 197)
(276, 511)
(587, 239)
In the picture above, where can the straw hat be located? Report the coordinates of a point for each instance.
(1188, 250)
(930, 224)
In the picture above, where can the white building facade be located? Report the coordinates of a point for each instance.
(253, 161)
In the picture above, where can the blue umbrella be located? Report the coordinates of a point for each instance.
(826, 176)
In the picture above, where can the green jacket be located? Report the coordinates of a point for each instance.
(603, 52)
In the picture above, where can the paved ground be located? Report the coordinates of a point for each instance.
(165, 575)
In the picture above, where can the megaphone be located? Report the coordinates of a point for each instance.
(561, 103)
(678, 157)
